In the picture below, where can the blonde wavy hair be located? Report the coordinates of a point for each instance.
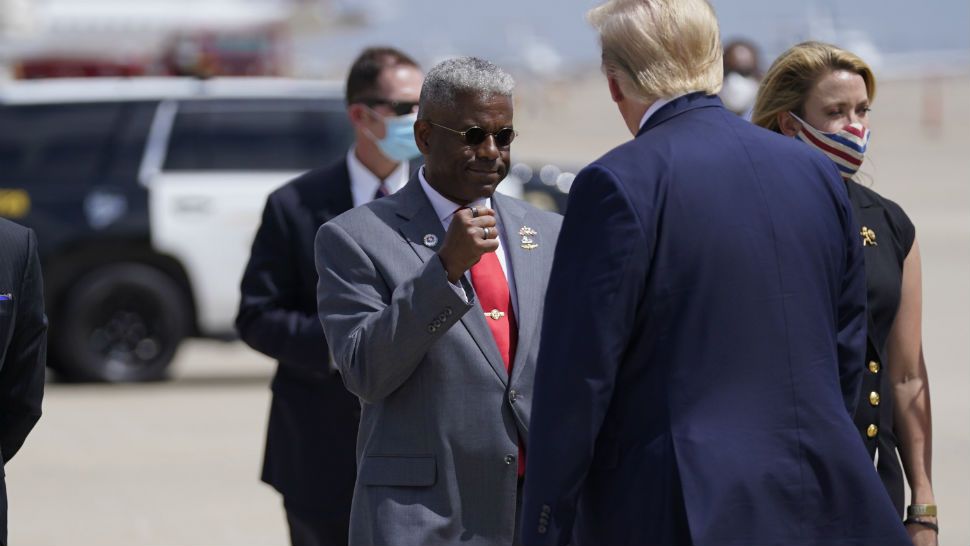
(791, 77)
(660, 48)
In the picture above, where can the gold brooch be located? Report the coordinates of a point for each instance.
(528, 242)
(868, 237)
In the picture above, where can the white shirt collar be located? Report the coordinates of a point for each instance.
(443, 207)
(364, 183)
(657, 105)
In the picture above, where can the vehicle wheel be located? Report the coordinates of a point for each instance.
(120, 323)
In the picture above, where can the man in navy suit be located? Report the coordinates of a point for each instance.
(704, 331)
(311, 443)
(23, 345)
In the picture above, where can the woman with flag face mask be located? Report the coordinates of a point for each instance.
(820, 95)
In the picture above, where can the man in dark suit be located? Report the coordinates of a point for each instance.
(23, 345)
(704, 329)
(310, 445)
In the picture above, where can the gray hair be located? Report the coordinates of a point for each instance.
(463, 75)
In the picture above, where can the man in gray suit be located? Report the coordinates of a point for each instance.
(432, 300)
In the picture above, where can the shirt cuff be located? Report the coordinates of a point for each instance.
(460, 290)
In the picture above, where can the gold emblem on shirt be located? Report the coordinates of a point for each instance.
(868, 237)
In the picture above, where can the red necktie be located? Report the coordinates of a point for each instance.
(492, 290)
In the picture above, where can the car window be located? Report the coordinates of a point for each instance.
(128, 142)
(56, 141)
(257, 135)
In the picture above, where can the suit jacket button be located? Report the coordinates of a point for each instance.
(542, 529)
(509, 459)
(513, 395)
(874, 398)
(872, 431)
(448, 311)
(431, 328)
(873, 366)
(546, 509)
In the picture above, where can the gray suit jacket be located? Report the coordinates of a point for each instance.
(440, 418)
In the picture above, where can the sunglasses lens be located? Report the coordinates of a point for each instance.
(504, 137)
(404, 108)
(475, 136)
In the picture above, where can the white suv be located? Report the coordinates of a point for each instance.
(145, 195)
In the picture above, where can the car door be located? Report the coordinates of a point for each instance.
(220, 160)
(69, 171)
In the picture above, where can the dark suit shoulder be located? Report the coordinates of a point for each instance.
(316, 188)
(13, 240)
(899, 222)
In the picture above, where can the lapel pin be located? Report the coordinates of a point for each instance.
(527, 234)
(868, 237)
(430, 240)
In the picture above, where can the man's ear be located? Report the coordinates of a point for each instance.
(422, 136)
(615, 92)
(358, 115)
(789, 125)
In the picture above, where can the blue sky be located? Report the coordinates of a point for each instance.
(503, 29)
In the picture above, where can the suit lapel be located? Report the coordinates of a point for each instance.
(421, 227)
(419, 221)
(523, 259)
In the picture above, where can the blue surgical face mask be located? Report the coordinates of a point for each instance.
(398, 142)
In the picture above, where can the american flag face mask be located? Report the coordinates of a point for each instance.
(846, 148)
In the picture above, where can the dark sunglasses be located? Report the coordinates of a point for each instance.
(400, 108)
(475, 135)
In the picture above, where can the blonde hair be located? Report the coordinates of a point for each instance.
(791, 77)
(660, 48)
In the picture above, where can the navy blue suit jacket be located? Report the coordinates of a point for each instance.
(703, 347)
(311, 441)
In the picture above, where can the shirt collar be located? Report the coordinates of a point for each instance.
(657, 105)
(445, 208)
(364, 183)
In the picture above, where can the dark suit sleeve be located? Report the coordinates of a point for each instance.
(22, 376)
(269, 318)
(852, 302)
(596, 284)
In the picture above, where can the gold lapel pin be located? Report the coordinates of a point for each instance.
(528, 241)
(868, 237)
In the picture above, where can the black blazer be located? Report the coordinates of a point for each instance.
(23, 344)
(311, 441)
(891, 235)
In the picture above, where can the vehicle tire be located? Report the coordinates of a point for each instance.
(120, 323)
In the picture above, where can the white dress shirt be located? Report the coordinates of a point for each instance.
(446, 208)
(364, 183)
